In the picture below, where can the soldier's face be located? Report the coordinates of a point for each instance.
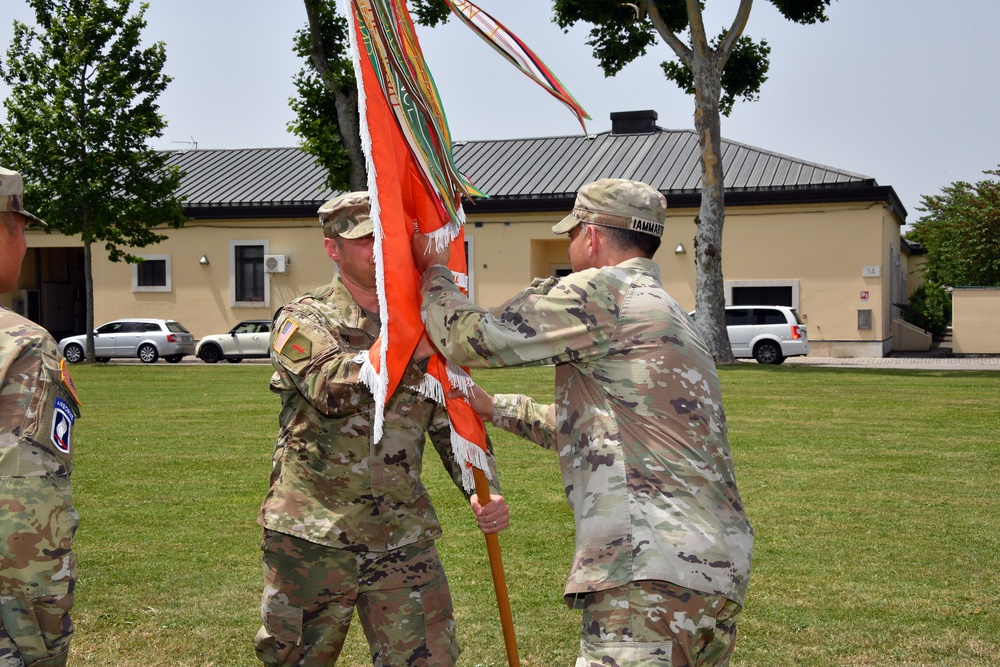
(355, 259)
(12, 249)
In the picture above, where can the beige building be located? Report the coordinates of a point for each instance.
(823, 240)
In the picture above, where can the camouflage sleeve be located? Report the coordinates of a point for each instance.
(311, 359)
(439, 431)
(551, 322)
(525, 417)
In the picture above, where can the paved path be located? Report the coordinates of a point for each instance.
(912, 362)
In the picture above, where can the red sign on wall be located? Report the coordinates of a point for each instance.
(864, 295)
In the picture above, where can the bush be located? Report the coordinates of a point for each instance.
(933, 301)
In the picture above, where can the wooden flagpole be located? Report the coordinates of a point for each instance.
(499, 580)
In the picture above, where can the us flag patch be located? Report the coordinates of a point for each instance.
(287, 329)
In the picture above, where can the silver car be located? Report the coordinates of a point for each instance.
(147, 339)
(247, 340)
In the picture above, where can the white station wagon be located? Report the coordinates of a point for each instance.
(147, 339)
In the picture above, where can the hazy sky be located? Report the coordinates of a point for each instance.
(904, 91)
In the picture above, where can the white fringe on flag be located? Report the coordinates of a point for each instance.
(430, 387)
(459, 379)
(442, 238)
(467, 452)
(378, 383)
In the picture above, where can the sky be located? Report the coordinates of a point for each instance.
(902, 91)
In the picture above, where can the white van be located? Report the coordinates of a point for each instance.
(768, 334)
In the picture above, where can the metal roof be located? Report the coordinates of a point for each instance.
(666, 159)
(250, 182)
(525, 174)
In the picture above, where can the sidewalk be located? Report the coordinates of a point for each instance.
(912, 362)
(938, 358)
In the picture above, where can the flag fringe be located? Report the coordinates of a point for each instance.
(377, 381)
(430, 387)
(459, 379)
(469, 455)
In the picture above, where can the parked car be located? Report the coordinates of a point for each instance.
(768, 334)
(147, 339)
(247, 340)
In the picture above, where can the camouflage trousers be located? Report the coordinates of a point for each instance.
(311, 592)
(657, 624)
(35, 632)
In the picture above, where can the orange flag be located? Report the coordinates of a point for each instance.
(402, 198)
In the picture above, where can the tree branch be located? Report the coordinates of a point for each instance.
(680, 48)
(736, 30)
(317, 52)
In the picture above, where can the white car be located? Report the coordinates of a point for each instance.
(249, 339)
(768, 334)
(147, 339)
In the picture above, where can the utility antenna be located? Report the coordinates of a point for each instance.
(189, 144)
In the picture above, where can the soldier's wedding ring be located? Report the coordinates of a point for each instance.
(494, 523)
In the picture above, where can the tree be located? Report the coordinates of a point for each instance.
(716, 71)
(82, 105)
(961, 232)
(326, 110)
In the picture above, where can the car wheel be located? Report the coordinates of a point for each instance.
(210, 354)
(148, 353)
(768, 352)
(234, 360)
(174, 358)
(73, 353)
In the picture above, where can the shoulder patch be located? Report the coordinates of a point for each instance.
(281, 339)
(297, 347)
(68, 381)
(61, 432)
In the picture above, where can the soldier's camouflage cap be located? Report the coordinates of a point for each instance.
(12, 195)
(347, 216)
(615, 202)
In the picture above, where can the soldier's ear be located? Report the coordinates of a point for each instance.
(332, 249)
(593, 240)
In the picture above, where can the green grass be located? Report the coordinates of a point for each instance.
(873, 494)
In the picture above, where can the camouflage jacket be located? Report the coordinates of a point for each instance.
(637, 422)
(38, 407)
(330, 483)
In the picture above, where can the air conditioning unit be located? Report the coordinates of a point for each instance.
(276, 263)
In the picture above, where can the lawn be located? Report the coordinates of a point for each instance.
(873, 494)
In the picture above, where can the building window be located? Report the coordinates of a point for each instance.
(152, 274)
(248, 284)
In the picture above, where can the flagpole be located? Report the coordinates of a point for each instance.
(496, 567)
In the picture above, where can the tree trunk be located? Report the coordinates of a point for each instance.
(349, 123)
(88, 282)
(710, 294)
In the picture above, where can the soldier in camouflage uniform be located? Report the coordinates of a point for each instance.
(663, 545)
(347, 522)
(38, 406)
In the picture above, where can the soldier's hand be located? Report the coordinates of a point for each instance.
(424, 254)
(494, 516)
